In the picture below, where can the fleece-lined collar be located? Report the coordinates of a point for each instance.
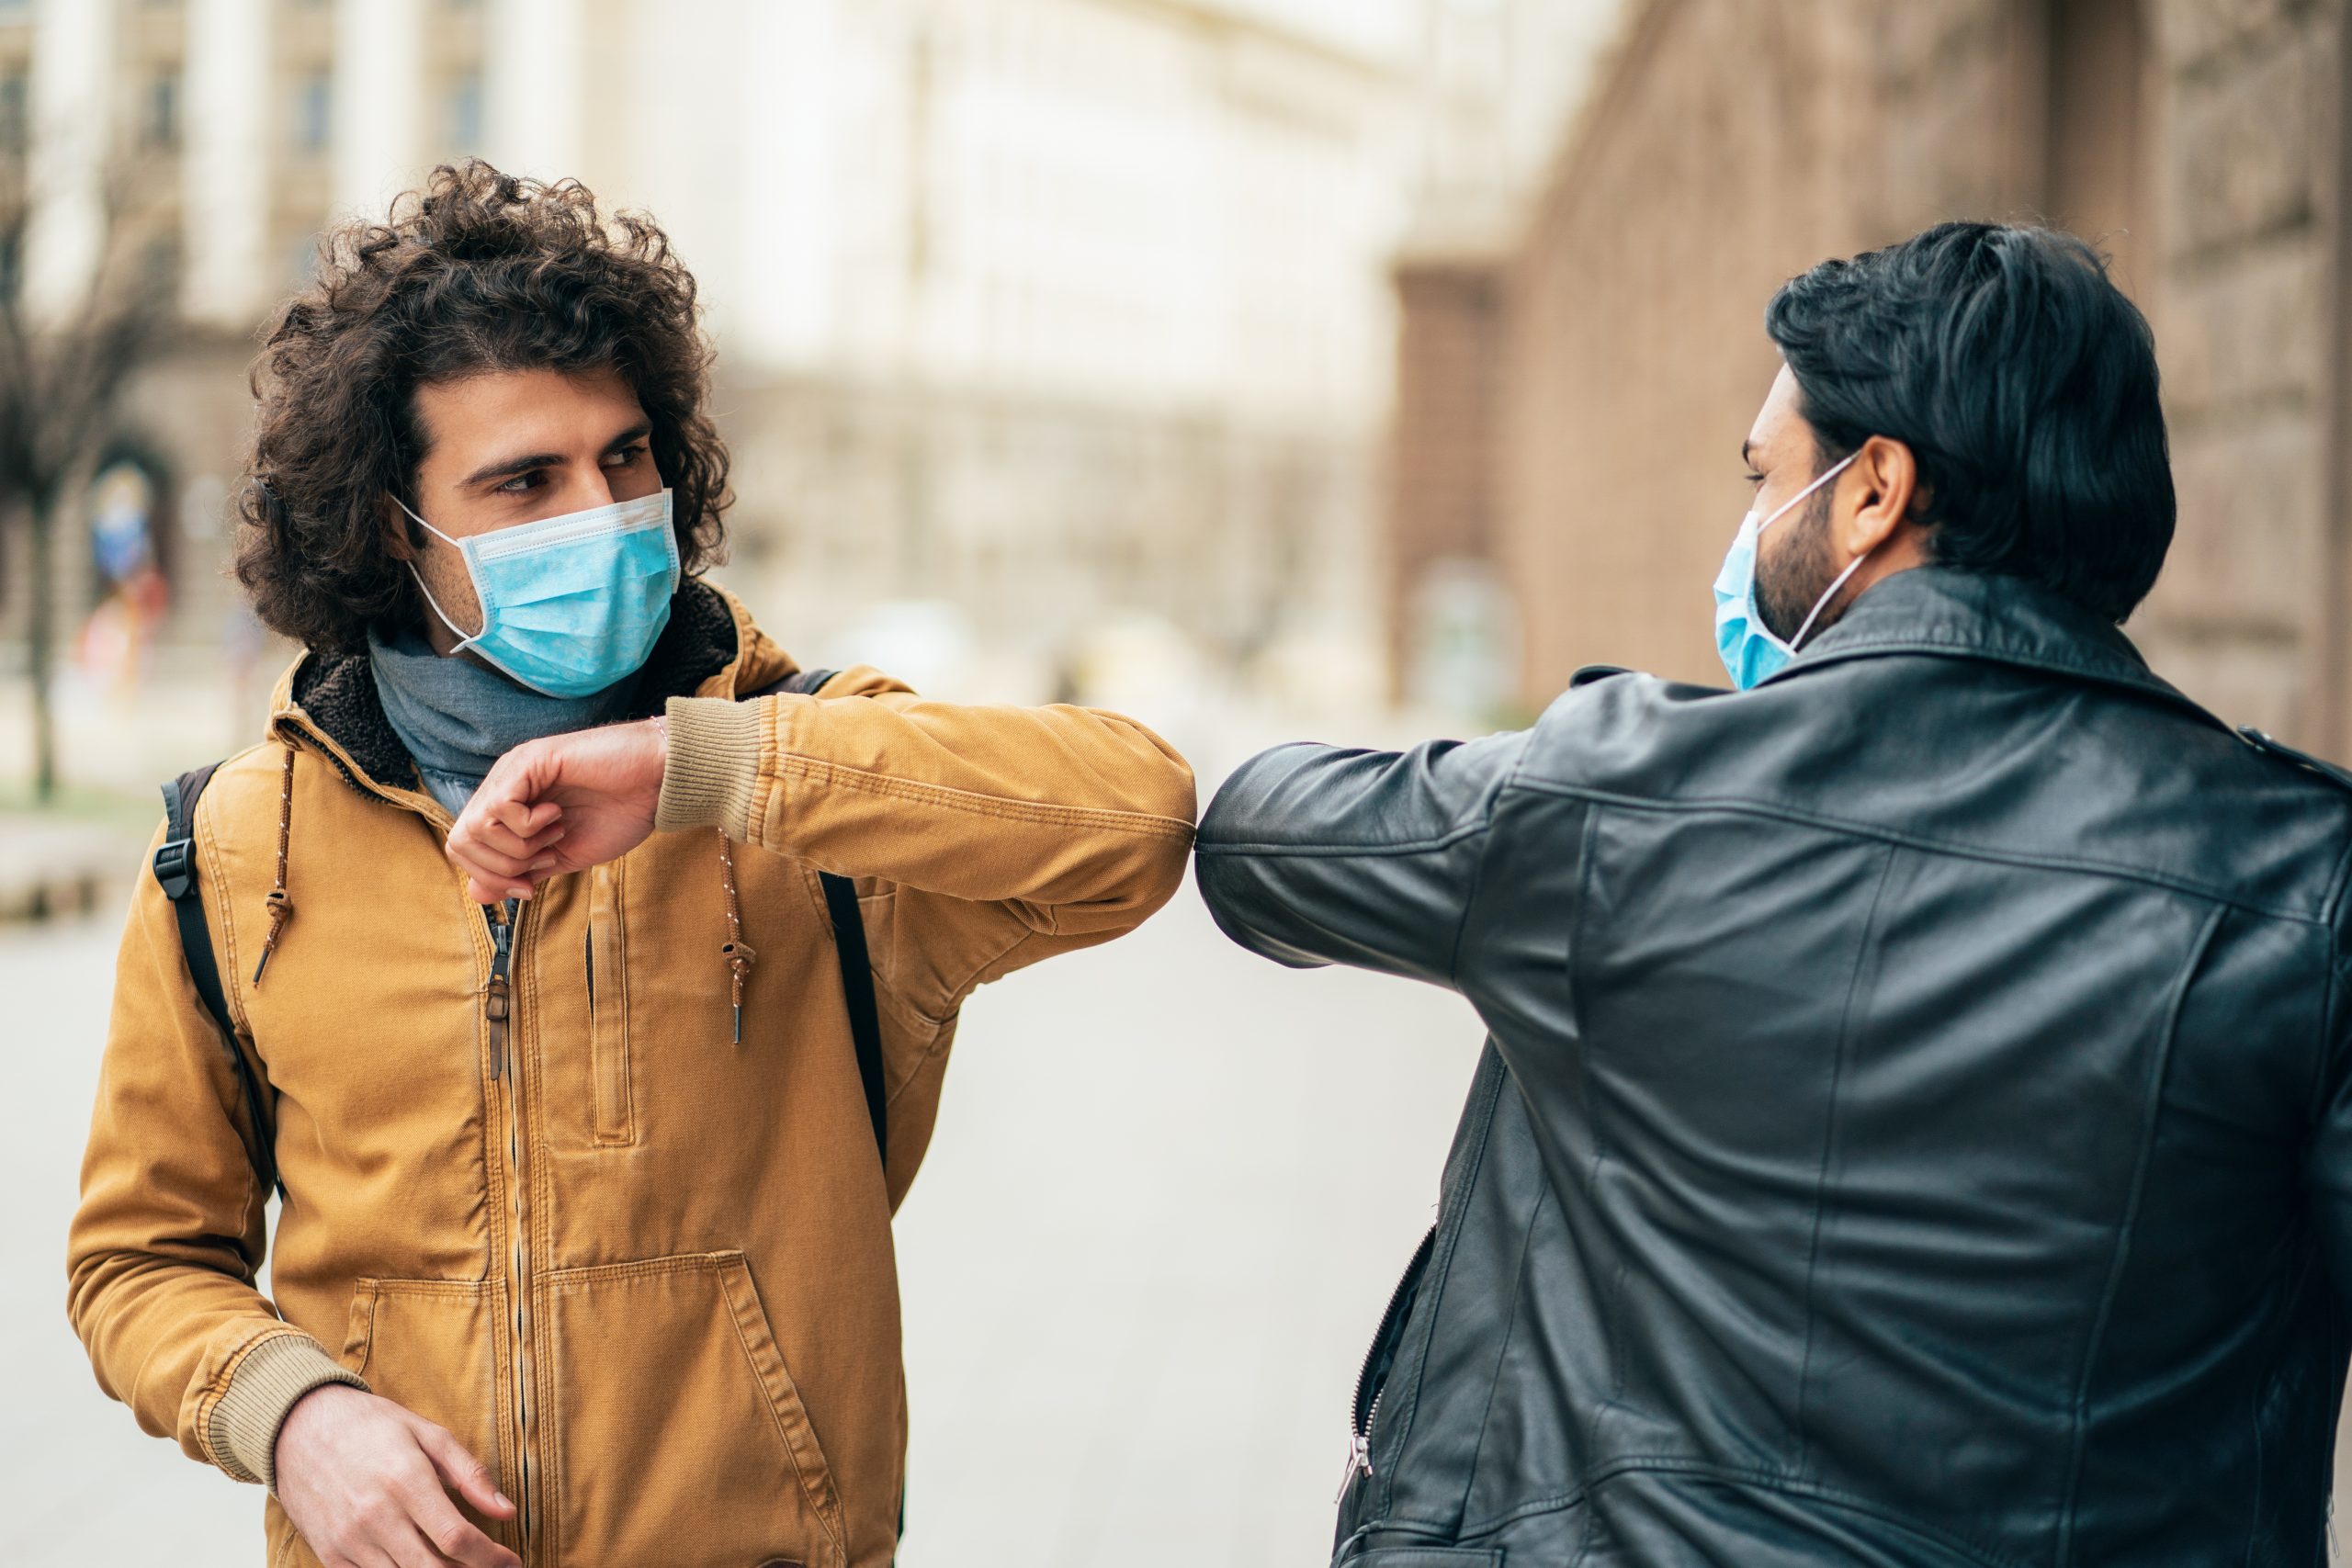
(337, 691)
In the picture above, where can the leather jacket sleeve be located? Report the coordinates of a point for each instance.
(1319, 854)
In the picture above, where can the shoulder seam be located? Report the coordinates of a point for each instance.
(1920, 841)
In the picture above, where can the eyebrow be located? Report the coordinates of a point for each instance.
(507, 467)
(1747, 454)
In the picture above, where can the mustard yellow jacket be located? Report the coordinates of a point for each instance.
(643, 1271)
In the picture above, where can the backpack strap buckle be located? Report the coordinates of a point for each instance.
(175, 868)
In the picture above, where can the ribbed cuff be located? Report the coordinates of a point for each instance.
(713, 766)
(272, 1375)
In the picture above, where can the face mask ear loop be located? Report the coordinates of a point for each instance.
(443, 615)
(463, 637)
(1821, 603)
(1778, 512)
(453, 544)
(1798, 641)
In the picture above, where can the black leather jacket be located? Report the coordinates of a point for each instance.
(1914, 1127)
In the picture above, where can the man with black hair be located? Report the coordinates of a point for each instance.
(1916, 1122)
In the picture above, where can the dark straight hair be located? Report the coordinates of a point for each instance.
(2023, 381)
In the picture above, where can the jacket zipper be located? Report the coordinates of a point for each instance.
(498, 1009)
(1361, 1414)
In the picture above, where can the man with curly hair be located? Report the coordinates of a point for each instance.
(589, 1122)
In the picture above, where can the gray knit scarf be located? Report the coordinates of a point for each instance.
(457, 718)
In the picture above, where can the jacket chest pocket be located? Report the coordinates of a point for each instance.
(611, 1089)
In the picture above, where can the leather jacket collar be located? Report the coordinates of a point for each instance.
(1947, 612)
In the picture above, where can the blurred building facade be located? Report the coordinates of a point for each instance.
(1571, 397)
(1047, 309)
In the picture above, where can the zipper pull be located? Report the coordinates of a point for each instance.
(497, 1001)
(1359, 1461)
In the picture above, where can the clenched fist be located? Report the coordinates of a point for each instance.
(562, 804)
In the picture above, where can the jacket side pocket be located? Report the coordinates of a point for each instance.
(431, 1347)
(666, 1381)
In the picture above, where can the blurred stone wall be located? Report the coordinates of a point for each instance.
(1730, 145)
(2249, 311)
(1441, 469)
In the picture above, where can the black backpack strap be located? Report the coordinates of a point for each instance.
(175, 873)
(857, 988)
(849, 946)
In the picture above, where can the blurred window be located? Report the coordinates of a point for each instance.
(314, 112)
(15, 10)
(465, 113)
(159, 125)
(16, 96)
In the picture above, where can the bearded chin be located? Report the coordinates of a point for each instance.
(1791, 580)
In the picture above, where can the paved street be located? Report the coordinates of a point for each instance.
(1170, 1191)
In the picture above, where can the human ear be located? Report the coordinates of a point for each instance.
(1879, 489)
(400, 541)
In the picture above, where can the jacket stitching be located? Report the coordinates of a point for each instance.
(1486, 824)
(1773, 1480)
(1144, 824)
(808, 1486)
(1502, 1351)
(2129, 1217)
(1441, 1269)
(1862, 951)
(1920, 841)
(1478, 868)
(2341, 880)
(208, 843)
(971, 982)
(641, 1268)
(2328, 1046)
(1557, 1502)
(1611, 1337)
(1445, 841)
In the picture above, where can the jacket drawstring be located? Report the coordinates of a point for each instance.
(734, 950)
(281, 907)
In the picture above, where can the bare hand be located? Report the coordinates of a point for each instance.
(560, 805)
(363, 1480)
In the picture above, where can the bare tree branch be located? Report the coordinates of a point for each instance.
(63, 372)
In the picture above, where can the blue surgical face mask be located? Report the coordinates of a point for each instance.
(1750, 652)
(570, 604)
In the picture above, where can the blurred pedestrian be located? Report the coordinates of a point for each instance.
(1915, 1126)
(587, 1173)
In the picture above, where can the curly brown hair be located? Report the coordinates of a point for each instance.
(479, 271)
